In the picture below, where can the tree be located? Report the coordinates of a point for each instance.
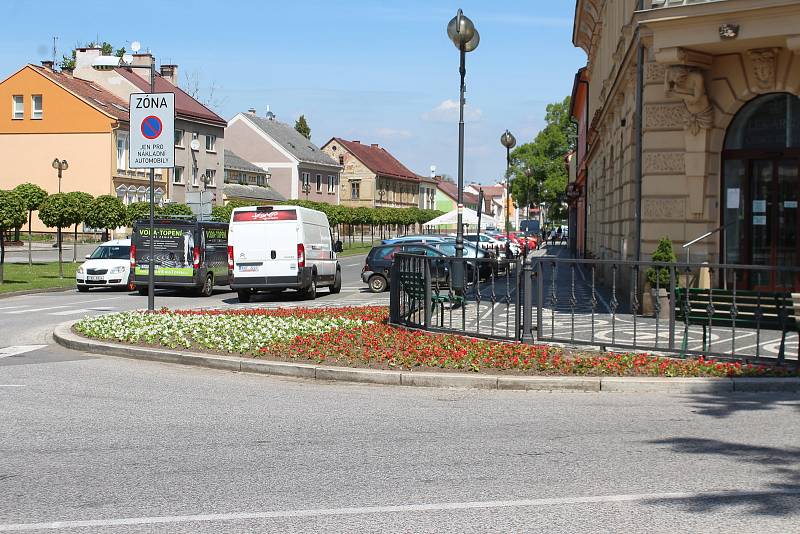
(173, 209)
(57, 212)
(106, 212)
(139, 210)
(32, 196)
(12, 215)
(537, 172)
(302, 127)
(80, 203)
(663, 254)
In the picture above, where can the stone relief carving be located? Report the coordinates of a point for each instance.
(664, 208)
(655, 73)
(763, 62)
(664, 162)
(687, 83)
(664, 116)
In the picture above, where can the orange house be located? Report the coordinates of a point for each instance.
(44, 115)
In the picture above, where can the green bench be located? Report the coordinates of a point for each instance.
(767, 310)
(413, 285)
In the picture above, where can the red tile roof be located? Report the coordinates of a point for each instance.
(451, 190)
(89, 92)
(492, 190)
(378, 160)
(185, 106)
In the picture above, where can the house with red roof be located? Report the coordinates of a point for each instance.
(372, 177)
(199, 132)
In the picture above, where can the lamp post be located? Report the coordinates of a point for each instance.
(465, 37)
(509, 141)
(110, 63)
(60, 166)
(306, 189)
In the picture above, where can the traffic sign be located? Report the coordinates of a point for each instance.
(152, 131)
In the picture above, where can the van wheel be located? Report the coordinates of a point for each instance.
(83, 289)
(207, 289)
(244, 295)
(337, 282)
(377, 283)
(310, 292)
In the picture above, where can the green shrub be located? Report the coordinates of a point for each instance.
(663, 254)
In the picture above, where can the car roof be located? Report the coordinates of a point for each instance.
(116, 243)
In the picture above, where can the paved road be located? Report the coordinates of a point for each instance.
(133, 446)
(44, 252)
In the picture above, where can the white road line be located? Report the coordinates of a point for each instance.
(71, 312)
(32, 310)
(5, 352)
(12, 385)
(10, 307)
(365, 510)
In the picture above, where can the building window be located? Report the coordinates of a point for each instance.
(306, 179)
(36, 106)
(211, 178)
(331, 184)
(179, 138)
(319, 183)
(194, 137)
(122, 194)
(341, 159)
(177, 176)
(17, 107)
(355, 190)
(122, 145)
(194, 176)
(261, 180)
(211, 143)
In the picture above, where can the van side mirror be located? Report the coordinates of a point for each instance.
(337, 247)
(87, 256)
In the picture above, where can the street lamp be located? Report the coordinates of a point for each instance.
(60, 166)
(306, 189)
(465, 37)
(110, 63)
(509, 141)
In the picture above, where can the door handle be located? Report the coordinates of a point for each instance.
(273, 255)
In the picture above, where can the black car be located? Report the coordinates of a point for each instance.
(377, 266)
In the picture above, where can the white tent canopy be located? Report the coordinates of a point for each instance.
(469, 217)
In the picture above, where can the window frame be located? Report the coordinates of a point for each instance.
(319, 183)
(122, 136)
(34, 110)
(213, 139)
(331, 185)
(14, 100)
(195, 176)
(177, 174)
(355, 190)
(183, 136)
(211, 177)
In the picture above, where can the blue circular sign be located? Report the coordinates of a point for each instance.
(152, 127)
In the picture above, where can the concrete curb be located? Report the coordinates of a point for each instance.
(65, 337)
(35, 291)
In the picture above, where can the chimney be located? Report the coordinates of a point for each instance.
(357, 142)
(84, 57)
(269, 115)
(48, 64)
(252, 110)
(170, 73)
(145, 59)
(433, 171)
(374, 145)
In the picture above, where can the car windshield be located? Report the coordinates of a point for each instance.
(111, 252)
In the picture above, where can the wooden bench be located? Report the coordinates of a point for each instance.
(413, 285)
(766, 310)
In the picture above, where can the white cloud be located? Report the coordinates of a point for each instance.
(447, 111)
(393, 133)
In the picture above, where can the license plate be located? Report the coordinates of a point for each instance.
(248, 268)
(95, 278)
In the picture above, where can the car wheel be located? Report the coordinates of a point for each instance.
(244, 295)
(83, 289)
(207, 289)
(337, 282)
(310, 292)
(377, 283)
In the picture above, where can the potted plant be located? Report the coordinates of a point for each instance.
(658, 277)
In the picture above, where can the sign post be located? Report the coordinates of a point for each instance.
(152, 146)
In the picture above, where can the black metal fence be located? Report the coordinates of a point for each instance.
(741, 312)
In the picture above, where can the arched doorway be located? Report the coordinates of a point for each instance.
(761, 189)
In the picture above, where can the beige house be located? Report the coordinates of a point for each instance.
(692, 124)
(373, 178)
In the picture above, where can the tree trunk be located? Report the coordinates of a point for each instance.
(30, 238)
(362, 233)
(2, 255)
(16, 234)
(75, 245)
(60, 266)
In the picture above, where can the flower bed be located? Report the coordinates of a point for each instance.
(360, 337)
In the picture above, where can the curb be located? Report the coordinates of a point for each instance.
(65, 337)
(35, 291)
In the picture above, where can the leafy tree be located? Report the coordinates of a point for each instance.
(173, 209)
(80, 203)
(32, 196)
(302, 127)
(106, 211)
(139, 210)
(12, 215)
(57, 212)
(107, 49)
(663, 254)
(537, 172)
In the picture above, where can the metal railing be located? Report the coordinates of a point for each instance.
(737, 312)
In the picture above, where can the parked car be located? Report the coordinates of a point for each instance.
(272, 248)
(521, 237)
(486, 242)
(415, 239)
(378, 264)
(108, 266)
(189, 254)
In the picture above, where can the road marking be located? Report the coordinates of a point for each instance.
(366, 510)
(5, 352)
(32, 310)
(12, 385)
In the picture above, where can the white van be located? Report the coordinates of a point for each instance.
(272, 248)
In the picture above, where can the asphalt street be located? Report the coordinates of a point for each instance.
(92, 444)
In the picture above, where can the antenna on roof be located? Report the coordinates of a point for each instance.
(55, 50)
(270, 115)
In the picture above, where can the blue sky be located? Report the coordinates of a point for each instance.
(376, 71)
